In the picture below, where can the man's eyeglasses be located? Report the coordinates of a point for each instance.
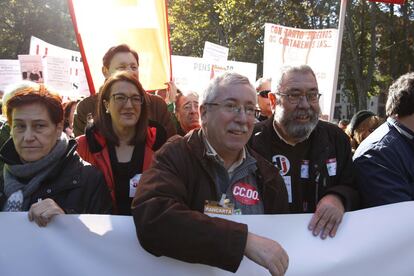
(236, 109)
(122, 99)
(264, 93)
(295, 98)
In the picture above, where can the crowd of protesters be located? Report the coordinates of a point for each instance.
(171, 158)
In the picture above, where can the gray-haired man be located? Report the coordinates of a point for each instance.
(314, 157)
(211, 170)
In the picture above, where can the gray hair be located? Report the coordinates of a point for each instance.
(400, 99)
(12, 89)
(184, 94)
(260, 82)
(227, 79)
(304, 69)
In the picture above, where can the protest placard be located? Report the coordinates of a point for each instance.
(291, 46)
(192, 73)
(9, 72)
(215, 53)
(31, 68)
(76, 70)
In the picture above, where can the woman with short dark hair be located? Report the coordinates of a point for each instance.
(43, 173)
(122, 140)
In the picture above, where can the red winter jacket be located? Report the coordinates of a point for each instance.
(92, 147)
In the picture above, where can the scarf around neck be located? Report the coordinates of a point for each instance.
(33, 173)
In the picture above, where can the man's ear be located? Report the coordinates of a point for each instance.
(273, 99)
(105, 72)
(177, 115)
(203, 111)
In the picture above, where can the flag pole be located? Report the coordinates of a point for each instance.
(81, 49)
(338, 55)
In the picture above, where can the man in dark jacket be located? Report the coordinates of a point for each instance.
(211, 170)
(313, 157)
(122, 58)
(384, 161)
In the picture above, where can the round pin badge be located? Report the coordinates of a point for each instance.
(245, 193)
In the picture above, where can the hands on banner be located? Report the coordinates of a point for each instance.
(267, 253)
(43, 211)
(327, 217)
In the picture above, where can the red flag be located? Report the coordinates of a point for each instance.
(400, 2)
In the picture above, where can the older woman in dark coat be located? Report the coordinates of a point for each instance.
(43, 174)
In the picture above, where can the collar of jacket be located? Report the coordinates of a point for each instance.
(265, 174)
(403, 130)
(156, 137)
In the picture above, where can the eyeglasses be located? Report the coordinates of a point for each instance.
(122, 99)
(264, 93)
(236, 109)
(294, 98)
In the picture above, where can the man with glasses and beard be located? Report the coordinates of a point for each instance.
(314, 157)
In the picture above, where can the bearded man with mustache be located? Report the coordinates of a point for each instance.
(313, 156)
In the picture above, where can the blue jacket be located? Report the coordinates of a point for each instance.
(384, 164)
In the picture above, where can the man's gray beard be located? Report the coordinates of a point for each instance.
(299, 132)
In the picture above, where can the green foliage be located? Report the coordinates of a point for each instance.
(378, 42)
(46, 19)
(377, 47)
(239, 24)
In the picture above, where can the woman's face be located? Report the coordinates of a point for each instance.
(33, 132)
(366, 128)
(124, 105)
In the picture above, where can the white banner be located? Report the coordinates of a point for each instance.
(192, 73)
(9, 72)
(316, 48)
(76, 70)
(376, 241)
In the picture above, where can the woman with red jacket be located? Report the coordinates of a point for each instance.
(121, 140)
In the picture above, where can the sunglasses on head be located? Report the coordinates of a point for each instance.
(264, 93)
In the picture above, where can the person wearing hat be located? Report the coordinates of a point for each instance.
(362, 124)
(263, 87)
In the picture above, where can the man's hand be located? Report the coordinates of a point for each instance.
(267, 253)
(171, 92)
(327, 217)
(42, 212)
